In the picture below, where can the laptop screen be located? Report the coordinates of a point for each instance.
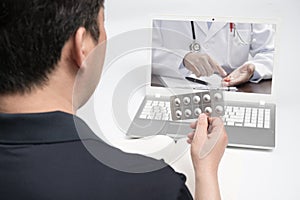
(238, 56)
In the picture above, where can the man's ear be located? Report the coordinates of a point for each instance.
(79, 51)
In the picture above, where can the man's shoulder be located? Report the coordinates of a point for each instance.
(119, 160)
(104, 167)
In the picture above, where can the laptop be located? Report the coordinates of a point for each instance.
(250, 110)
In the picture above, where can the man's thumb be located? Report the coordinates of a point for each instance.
(200, 135)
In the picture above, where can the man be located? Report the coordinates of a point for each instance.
(221, 47)
(44, 44)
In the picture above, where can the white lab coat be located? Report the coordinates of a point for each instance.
(171, 41)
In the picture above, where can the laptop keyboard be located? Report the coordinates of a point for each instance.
(247, 117)
(252, 117)
(158, 110)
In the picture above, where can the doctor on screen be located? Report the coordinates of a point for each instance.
(239, 52)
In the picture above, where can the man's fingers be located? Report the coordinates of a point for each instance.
(215, 122)
(200, 133)
(191, 135)
(193, 125)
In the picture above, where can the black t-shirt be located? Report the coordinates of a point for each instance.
(44, 156)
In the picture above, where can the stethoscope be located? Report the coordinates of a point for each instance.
(195, 46)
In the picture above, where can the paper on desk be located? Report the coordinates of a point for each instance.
(215, 80)
(181, 83)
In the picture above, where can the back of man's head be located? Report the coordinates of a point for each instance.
(32, 35)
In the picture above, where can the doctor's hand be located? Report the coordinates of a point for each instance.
(202, 64)
(240, 75)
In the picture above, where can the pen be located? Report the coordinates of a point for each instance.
(231, 26)
(196, 81)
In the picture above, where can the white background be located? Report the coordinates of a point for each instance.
(244, 174)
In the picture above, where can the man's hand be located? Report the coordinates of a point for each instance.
(206, 168)
(202, 64)
(207, 129)
(240, 75)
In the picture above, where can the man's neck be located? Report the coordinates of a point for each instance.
(38, 101)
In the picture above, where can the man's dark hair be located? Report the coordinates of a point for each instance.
(32, 35)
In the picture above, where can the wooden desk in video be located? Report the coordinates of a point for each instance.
(263, 87)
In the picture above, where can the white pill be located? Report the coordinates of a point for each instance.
(208, 110)
(197, 111)
(177, 102)
(178, 114)
(206, 98)
(188, 112)
(218, 96)
(196, 99)
(186, 100)
(219, 109)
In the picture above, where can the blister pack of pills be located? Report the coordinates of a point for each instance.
(190, 106)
